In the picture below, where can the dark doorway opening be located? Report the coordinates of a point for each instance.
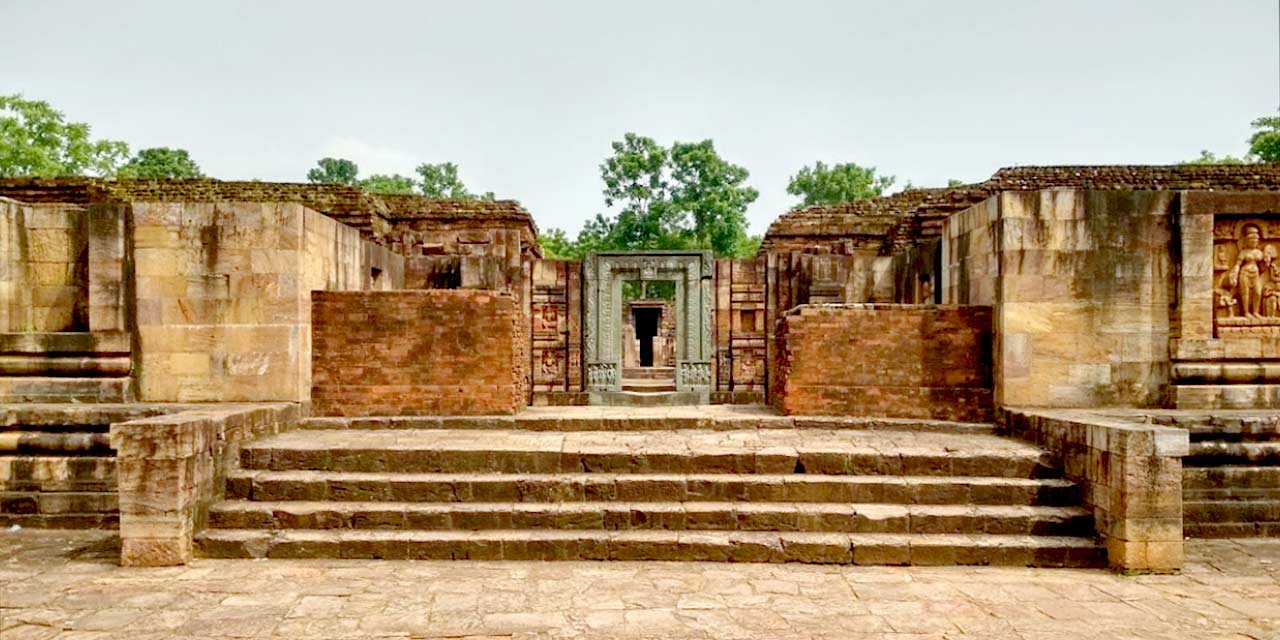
(647, 321)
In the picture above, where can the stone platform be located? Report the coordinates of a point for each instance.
(67, 585)
(721, 483)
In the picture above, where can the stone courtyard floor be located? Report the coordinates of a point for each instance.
(67, 585)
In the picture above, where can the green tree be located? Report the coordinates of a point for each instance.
(441, 181)
(556, 245)
(394, 183)
(952, 182)
(1264, 144)
(685, 197)
(334, 171)
(839, 183)
(37, 140)
(158, 163)
(636, 182)
(1208, 157)
(713, 193)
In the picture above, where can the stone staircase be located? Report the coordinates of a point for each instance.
(634, 486)
(57, 468)
(648, 387)
(1231, 479)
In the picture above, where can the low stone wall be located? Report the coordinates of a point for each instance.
(884, 360)
(170, 468)
(1130, 474)
(435, 352)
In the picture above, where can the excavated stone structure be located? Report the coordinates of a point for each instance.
(1046, 368)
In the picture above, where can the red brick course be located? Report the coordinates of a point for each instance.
(903, 361)
(435, 352)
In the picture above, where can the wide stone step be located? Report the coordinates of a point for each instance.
(1242, 477)
(720, 546)
(1215, 453)
(58, 502)
(648, 385)
(54, 443)
(651, 373)
(644, 419)
(1231, 511)
(57, 473)
(61, 520)
(815, 451)
(634, 487)
(1229, 494)
(1231, 529)
(675, 516)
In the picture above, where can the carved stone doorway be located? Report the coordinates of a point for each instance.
(692, 272)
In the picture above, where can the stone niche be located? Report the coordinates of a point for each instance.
(1227, 351)
(1246, 276)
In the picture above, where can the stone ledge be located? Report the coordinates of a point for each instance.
(1130, 474)
(171, 467)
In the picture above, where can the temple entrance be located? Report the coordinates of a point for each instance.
(648, 326)
(646, 322)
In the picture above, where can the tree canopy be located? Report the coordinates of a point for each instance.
(1264, 145)
(394, 183)
(159, 163)
(839, 183)
(442, 181)
(334, 171)
(37, 140)
(439, 181)
(682, 197)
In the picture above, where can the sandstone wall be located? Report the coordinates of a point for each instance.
(44, 267)
(223, 296)
(1224, 355)
(438, 352)
(741, 326)
(902, 361)
(556, 331)
(1082, 284)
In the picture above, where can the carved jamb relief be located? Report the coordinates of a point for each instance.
(602, 376)
(588, 331)
(708, 319)
(1246, 276)
(606, 314)
(694, 374)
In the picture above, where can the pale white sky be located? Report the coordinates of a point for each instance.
(526, 95)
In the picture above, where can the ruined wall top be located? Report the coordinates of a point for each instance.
(372, 213)
(416, 207)
(889, 223)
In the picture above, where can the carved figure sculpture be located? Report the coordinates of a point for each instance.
(1225, 301)
(1271, 302)
(1246, 275)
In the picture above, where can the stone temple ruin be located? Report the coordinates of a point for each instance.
(1060, 366)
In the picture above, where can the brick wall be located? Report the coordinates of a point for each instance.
(435, 352)
(905, 361)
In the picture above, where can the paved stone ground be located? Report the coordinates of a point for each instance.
(66, 585)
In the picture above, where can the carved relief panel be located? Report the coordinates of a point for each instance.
(1246, 275)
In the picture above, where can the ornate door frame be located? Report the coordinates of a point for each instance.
(693, 273)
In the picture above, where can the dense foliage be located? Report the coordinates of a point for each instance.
(37, 140)
(839, 183)
(158, 163)
(680, 197)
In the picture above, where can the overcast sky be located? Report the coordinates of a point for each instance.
(525, 96)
